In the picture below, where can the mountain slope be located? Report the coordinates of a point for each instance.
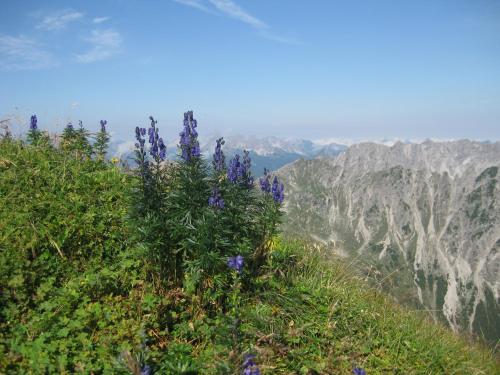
(425, 214)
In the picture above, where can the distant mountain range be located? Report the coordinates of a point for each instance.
(269, 152)
(423, 220)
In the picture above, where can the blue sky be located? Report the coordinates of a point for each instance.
(300, 68)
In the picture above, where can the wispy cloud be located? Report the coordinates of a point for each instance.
(280, 39)
(100, 19)
(198, 4)
(22, 53)
(105, 44)
(59, 20)
(230, 9)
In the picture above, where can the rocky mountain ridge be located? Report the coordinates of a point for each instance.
(423, 218)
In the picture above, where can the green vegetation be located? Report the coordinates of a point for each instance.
(85, 287)
(420, 278)
(490, 172)
(65, 277)
(441, 286)
(486, 311)
(480, 200)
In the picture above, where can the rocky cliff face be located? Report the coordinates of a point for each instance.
(422, 219)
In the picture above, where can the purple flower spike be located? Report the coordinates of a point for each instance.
(245, 172)
(234, 168)
(157, 150)
(239, 172)
(190, 147)
(103, 125)
(219, 160)
(163, 149)
(146, 370)
(247, 162)
(33, 123)
(195, 151)
(249, 366)
(139, 134)
(249, 360)
(265, 182)
(236, 263)
(151, 133)
(278, 191)
(216, 200)
(358, 371)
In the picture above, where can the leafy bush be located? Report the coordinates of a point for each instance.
(62, 221)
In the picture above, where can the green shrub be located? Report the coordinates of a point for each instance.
(194, 217)
(62, 222)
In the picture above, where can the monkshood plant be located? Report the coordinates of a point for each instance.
(100, 146)
(82, 143)
(34, 133)
(35, 136)
(148, 216)
(76, 141)
(273, 197)
(194, 215)
(68, 137)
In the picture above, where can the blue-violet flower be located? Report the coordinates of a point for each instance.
(190, 147)
(236, 263)
(219, 160)
(215, 199)
(359, 371)
(278, 191)
(33, 123)
(103, 126)
(265, 182)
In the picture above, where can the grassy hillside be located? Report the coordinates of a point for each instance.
(79, 294)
